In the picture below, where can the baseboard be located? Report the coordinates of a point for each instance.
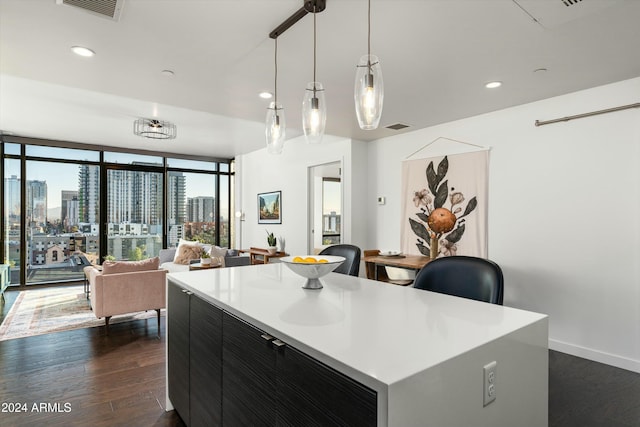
(596, 356)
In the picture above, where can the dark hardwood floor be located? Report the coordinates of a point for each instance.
(119, 380)
(86, 377)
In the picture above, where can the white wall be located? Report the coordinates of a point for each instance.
(563, 212)
(260, 172)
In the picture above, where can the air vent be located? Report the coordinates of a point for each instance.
(397, 126)
(110, 9)
(553, 14)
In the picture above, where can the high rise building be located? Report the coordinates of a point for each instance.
(176, 194)
(135, 197)
(12, 196)
(69, 214)
(176, 208)
(88, 194)
(36, 203)
(200, 209)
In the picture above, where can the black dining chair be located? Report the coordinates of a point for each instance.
(351, 264)
(463, 276)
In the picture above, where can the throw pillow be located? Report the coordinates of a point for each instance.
(115, 267)
(186, 253)
(218, 253)
(182, 242)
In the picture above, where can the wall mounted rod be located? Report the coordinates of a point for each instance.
(309, 6)
(593, 113)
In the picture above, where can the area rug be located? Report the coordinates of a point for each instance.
(47, 310)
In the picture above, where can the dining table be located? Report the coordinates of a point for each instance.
(408, 262)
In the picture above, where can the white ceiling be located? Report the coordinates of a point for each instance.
(436, 56)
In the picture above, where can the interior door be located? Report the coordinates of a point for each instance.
(325, 206)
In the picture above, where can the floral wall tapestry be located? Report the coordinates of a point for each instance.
(444, 207)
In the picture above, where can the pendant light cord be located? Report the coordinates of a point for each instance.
(275, 78)
(369, 30)
(314, 51)
(369, 36)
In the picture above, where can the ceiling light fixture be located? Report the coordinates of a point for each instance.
(275, 129)
(265, 95)
(82, 51)
(154, 129)
(369, 89)
(314, 108)
(493, 85)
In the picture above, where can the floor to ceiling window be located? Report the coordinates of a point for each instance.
(198, 202)
(58, 201)
(11, 213)
(61, 223)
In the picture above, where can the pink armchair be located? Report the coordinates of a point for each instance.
(124, 287)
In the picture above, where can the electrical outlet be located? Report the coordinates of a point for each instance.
(489, 388)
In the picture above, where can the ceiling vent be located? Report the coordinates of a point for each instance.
(110, 9)
(553, 14)
(397, 126)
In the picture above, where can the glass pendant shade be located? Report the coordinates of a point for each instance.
(369, 92)
(314, 112)
(275, 128)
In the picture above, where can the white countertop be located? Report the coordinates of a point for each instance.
(375, 331)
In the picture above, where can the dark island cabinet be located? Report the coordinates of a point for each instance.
(311, 393)
(249, 375)
(269, 383)
(178, 313)
(194, 357)
(223, 371)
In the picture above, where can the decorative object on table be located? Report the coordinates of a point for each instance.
(271, 241)
(269, 208)
(390, 253)
(205, 258)
(451, 217)
(281, 242)
(312, 267)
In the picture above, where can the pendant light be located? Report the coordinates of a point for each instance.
(314, 109)
(369, 89)
(275, 129)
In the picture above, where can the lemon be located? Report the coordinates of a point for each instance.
(322, 261)
(310, 260)
(298, 259)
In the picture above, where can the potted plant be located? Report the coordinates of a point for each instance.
(271, 241)
(205, 258)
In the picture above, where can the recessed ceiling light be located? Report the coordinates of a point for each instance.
(265, 95)
(493, 85)
(82, 51)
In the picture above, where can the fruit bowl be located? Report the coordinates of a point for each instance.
(312, 271)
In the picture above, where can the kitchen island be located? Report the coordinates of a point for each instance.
(248, 345)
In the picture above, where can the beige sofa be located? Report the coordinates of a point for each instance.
(124, 287)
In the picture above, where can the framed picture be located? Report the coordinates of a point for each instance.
(270, 208)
